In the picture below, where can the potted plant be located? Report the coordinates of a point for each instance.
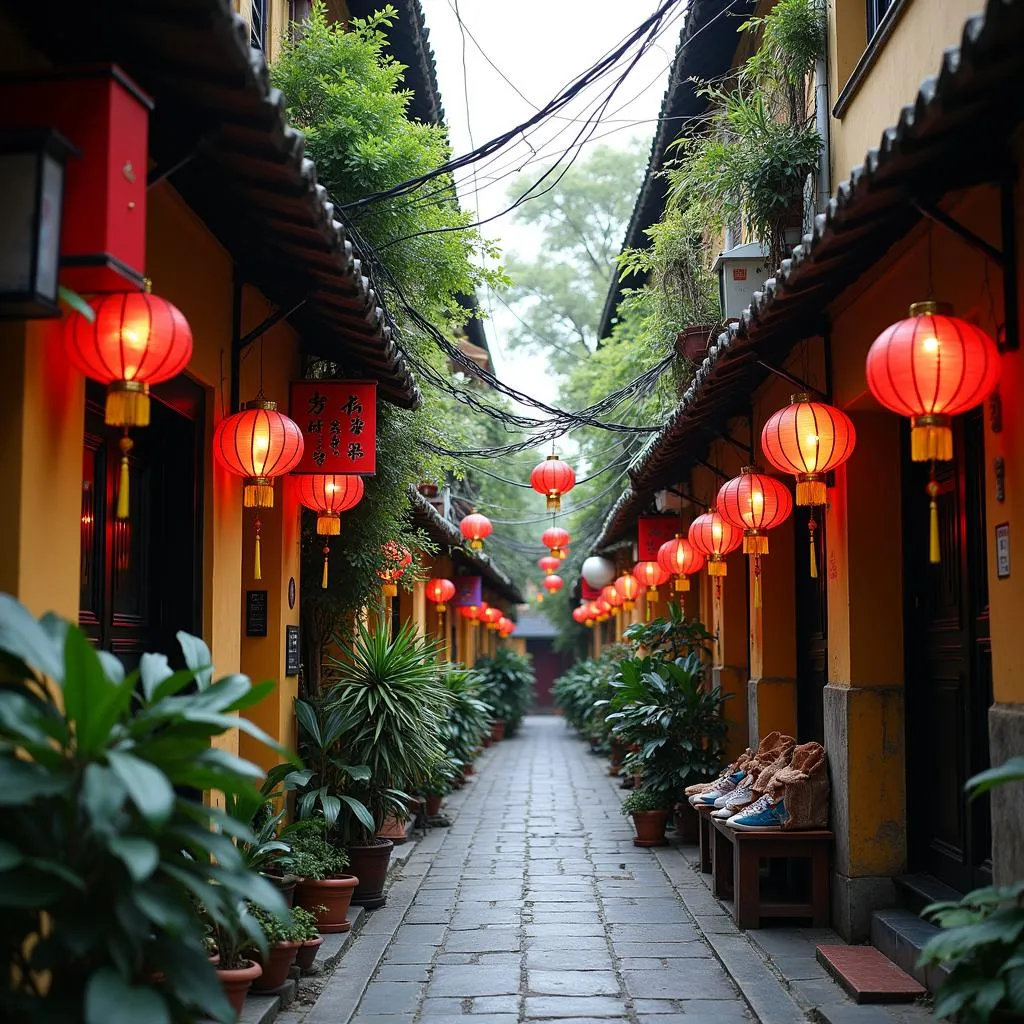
(650, 811)
(106, 835)
(392, 707)
(239, 941)
(308, 934)
(324, 888)
(982, 938)
(506, 682)
(266, 852)
(284, 940)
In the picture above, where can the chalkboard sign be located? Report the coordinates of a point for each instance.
(256, 613)
(291, 650)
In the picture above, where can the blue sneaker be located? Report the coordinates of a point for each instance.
(722, 789)
(761, 816)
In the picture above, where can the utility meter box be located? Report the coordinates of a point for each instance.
(741, 272)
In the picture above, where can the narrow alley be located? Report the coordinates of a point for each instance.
(535, 905)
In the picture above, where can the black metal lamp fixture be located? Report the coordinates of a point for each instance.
(32, 164)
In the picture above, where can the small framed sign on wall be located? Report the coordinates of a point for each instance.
(1003, 551)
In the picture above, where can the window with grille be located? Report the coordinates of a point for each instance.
(258, 24)
(877, 10)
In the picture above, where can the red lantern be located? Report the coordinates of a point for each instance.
(579, 615)
(611, 595)
(553, 478)
(603, 609)
(549, 564)
(553, 583)
(932, 367)
(557, 540)
(506, 627)
(471, 612)
(259, 443)
(628, 588)
(714, 537)
(592, 612)
(680, 558)
(491, 617)
(329, 495)
(475, 528)
(754, 503)
(396, 561)
(651, 575)
(440, 591)
(135, 340)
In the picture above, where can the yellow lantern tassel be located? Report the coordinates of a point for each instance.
(323, 579)
(757, 581)
(811, 527)
(124, 484)
(127, 404)
(934, 555)
(257, 571)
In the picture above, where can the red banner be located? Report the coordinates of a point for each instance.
(338, 420)
(652, 532)
(468, 591)
(589, 593)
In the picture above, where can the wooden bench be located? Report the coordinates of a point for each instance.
(704, 823)
(736, 871)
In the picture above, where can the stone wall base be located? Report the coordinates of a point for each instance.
(854, 900)
(1006, 740)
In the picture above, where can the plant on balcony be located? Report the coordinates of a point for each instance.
(107, 843)
(506, 684)
(982, 938)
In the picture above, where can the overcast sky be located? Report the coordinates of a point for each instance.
(539, 46)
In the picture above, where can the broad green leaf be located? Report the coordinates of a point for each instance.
(360, 810)
(147, 786)
(109, 999)
(22, 781)
(25, 638)
(197, 657)
(140, 856)
(153, 670)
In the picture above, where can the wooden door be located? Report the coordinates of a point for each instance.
(948, 664)
(811, 629)
(141, 578)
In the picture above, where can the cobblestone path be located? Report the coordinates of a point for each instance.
(537, 906)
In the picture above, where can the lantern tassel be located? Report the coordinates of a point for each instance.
(124, 484)
(257, 569)
(934, 555)
(757, 581)
(811, 527)
(323, 578)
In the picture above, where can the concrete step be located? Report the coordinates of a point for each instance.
(901, 934)
(915, 892)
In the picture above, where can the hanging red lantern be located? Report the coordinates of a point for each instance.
(553, 478)
(136, 340)
(259, 443)
(628, 588)
(557, 540)
(651, 575)
(679, 558)
(611, 595)
(592, 612)
(328, 495)
(471, 612)
(755, 503)
(808, 439)
(549, 564)
(475, 528)
(553, 583)
(931, 367)
(506, 627)
(491, 617)
(714, 537)
(440, 591)
(603, 609)
(396, 561)
(579, 615)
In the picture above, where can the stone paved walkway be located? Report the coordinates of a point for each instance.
(536, 905)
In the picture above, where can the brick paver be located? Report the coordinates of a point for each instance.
(538, 907)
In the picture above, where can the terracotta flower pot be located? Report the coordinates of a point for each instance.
(307, 953)
(617, 754)
(370, 863)
(487, 741)
(433, 805)
(498, 730)
(687, 824)
(279, 959)
(333, 893)
(650, 827)
(692, 342)
(237, 982)
(467, 770)
(392, 829)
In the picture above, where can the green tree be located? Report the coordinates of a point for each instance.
(560, 294)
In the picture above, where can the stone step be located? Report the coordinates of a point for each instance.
(915, 892)
(868, 974)
(901, 934)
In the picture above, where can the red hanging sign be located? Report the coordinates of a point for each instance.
(468, 591)
(338, 420)
(652, 532)
(589, 593)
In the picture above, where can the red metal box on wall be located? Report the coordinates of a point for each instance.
(105, 114)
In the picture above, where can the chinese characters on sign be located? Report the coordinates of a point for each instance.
(652, 532)
(338, 419)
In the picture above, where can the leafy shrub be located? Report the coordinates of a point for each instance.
(641, 800)
(506, 684)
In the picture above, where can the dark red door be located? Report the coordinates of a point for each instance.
(547, 666)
